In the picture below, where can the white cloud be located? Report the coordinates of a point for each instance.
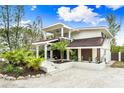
(25, 22)
(79, 14)
(114, 7)
(33, 7)
(98, 6)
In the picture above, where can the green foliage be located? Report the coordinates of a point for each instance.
(116, 49)
(22, 57)
(18, 70)
(9, 68)
(74, 55)
(61, 46)
(34, 63)
(121, 49)
(18, 56)
(114, 27)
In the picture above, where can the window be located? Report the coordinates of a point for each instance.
(103, 35)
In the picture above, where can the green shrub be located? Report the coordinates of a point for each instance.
(74, 55)
(34, 63)
(18, 71)
(21, 58)
(115, 49)
(17, 56)
(8, 68)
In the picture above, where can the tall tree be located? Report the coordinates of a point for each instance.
(114, 27)
(36, 33)
(19, 13)
(6, 19)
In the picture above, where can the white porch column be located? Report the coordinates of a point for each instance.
(69, 34)
(68, 54)
(37, 51)
(62, 32)
(94, 54)
(51, 54)
(119, 56)
(79, 54)
(45, 52)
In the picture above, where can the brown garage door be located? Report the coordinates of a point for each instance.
(86, 53)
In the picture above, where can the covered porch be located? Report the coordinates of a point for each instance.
(85, 54)
(88, 49)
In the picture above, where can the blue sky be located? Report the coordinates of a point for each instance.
(75, 16)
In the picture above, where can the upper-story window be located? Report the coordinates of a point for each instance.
(103, 35)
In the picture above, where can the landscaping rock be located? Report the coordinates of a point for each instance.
(33, 76)
(28, 76)
(20, 78)
(1, 75)
(42, 75)
(5, 76)
(38, 76)
(10, 78)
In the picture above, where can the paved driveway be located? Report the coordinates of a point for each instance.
(110, 77)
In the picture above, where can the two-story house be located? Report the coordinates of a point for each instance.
(90, 42)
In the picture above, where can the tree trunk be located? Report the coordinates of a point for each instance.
(61, 54)
(8, 29)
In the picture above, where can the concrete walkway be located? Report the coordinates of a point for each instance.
(110, 77)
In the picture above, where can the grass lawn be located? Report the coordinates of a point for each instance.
(118, 64)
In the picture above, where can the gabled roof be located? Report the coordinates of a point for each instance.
(88, 42)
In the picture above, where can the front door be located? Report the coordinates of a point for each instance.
(86, 54)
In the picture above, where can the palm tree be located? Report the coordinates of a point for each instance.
(114, 27)
(61, 46)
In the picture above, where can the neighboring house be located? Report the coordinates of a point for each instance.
(89, 42)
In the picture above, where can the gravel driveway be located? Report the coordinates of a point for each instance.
(72, 78)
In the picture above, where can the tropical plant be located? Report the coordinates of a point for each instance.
(9, 68)
(114, 27)
(61, 46)
(34, 63)
(17, 57)
(74, 55)
(18, 70)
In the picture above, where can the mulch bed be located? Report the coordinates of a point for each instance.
(25, 72)
(60, 61)
(118, 64)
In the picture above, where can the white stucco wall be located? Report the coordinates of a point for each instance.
(106, 55)
(106, 44)
(85, 34)
(106, 48)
